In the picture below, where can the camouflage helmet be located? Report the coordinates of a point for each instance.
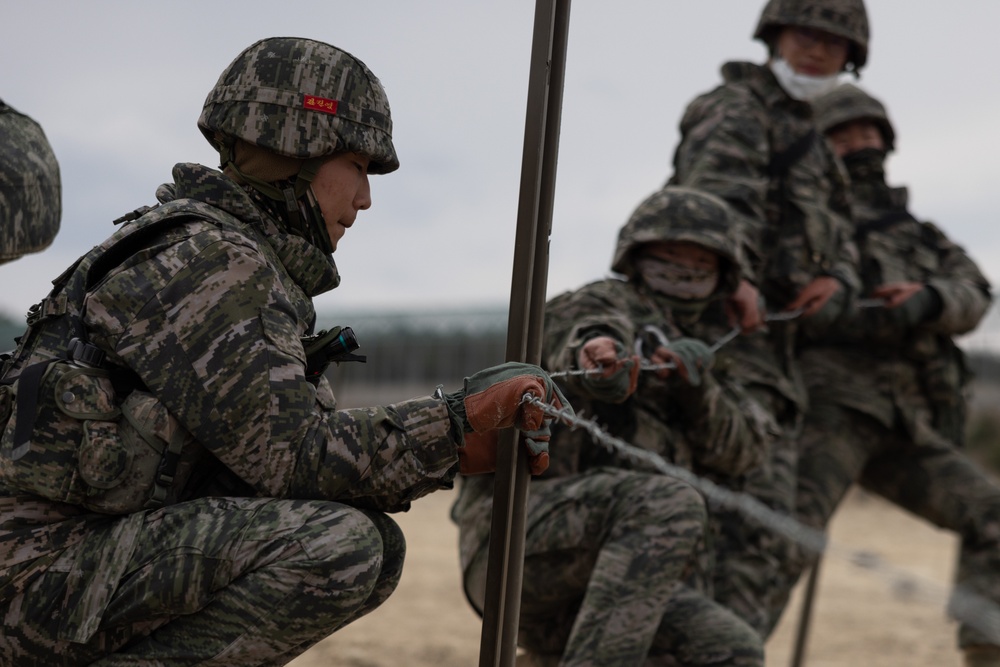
(845, 18)
(30, 186)
(677, 213)
(301, 98)
(847, 103)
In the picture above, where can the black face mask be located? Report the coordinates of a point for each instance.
(866, 165)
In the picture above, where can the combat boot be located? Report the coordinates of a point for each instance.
(982, 655)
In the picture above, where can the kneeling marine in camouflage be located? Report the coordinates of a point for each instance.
(617, 569)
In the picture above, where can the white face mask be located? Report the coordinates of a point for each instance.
(677, 280)
(800, 86)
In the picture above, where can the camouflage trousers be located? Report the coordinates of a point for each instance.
(913, 467)
(219, 581)
(613, 561)
(748, 554)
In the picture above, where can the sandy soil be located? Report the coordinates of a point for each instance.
(857, 620)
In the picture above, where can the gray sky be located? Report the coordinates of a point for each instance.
(118, 87)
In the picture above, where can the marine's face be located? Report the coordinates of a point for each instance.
(683, 253)
(852, 137)
(679, 269)
(341, 189)
(812, 52)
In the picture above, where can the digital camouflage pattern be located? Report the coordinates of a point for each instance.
(606, 549)
(208, 315)
(30, 186)
(846, 18)
(303, 99)
(685, 215)
(886, 404)
(754, 146)
(848, 103)
(606, 541)
(751, 144)
(746, 553)
(246, 581)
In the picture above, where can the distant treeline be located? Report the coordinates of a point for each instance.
(444, 348)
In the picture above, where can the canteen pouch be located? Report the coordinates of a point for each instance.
(85, 449)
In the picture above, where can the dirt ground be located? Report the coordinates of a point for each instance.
(857, 620)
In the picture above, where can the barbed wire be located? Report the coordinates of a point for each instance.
(962, 604)
(783, 316)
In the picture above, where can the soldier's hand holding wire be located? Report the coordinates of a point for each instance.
(690, 355)
(494, 399)
(908, 304)
(746, 307)
(822, 302)
(815, 295)
(619, 374)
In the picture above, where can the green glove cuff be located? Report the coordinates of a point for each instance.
(696, 356)
(456, 406)
(613, 389)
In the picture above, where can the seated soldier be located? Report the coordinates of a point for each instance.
(616, 562)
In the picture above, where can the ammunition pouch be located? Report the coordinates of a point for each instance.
(77, 443)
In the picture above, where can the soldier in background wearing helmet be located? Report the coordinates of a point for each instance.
(616, 561)
(30, 187)
(886, 383)
(752, 142)
(176, 483)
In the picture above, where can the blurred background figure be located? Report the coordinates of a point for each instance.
(887, 384)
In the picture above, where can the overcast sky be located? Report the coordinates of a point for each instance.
(118, 87)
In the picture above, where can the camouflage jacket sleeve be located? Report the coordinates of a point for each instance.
(725, 150)
(964, 291)
(573, 318)
(213, 329)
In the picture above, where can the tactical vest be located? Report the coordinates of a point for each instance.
(76, 428)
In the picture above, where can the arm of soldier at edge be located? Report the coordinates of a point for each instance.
(234, 375)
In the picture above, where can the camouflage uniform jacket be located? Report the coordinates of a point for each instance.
(209, 317)
(716, 428)
(754, 146)
(871, 365)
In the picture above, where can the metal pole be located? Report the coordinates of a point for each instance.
(805, 616)
(501, 611)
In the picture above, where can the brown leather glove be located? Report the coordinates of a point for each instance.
(493, 399)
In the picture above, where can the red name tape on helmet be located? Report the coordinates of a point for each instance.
(320, 104)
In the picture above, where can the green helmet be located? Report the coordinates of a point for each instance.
(30, 186)
(677, 213)
(847, 103)
(302, 99)
(298, 100)
(846, 18)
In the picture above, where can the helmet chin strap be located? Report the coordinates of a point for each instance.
(302, 214)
